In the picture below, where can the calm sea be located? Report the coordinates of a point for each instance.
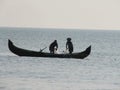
(99, 71)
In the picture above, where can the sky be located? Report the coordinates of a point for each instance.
(80, 14)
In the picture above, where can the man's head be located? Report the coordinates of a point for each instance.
(68, 39)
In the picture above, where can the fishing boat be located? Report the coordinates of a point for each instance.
(29, 53)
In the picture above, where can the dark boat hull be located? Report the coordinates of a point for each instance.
(23, 52)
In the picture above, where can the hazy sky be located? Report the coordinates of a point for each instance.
(82, 14)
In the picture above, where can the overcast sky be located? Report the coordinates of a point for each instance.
(81, 14)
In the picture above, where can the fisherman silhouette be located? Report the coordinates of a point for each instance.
(69, 45)
(53, 46)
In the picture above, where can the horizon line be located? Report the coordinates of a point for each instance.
(53, 28)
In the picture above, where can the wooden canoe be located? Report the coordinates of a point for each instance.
(29, 53)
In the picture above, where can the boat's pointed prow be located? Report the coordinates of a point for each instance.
(89, 47)
(9, 42)
(88, 50)
(10, 45)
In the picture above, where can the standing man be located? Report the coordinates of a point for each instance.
(53, 46)
(69, 45)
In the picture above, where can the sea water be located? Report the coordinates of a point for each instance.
(99, 71)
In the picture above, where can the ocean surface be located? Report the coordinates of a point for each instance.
(99, 71)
